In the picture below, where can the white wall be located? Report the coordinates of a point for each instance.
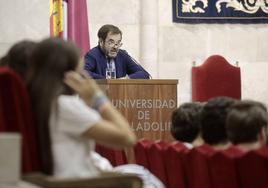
(22, 19)
(164, 48)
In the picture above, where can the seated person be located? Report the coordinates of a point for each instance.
(108, 55)
(67, 125)
(213, 117)
(17, 57)
(185, 124)
(246, 125)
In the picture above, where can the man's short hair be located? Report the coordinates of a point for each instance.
(185, 125)
(245, 121)
(213, 119)
(105, 29)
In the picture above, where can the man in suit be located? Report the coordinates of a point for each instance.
(109, 55)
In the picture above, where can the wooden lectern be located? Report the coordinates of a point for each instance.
(147, 104)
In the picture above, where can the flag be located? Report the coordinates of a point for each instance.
(56, 18)
(78, 24)
(65, 19)
(68, 20)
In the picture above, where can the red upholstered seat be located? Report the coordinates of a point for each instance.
(175, 165)
(16, 116)
(141, 149)
(197, 170)
(223, 169)
(215, 77)
(156, 160)
(253, 169)
(116, 157)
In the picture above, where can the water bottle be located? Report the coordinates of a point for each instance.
(113, 73)
(110, 71)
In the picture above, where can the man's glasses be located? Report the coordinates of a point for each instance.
(112, 43)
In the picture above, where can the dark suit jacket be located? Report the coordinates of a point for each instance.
(96, 63)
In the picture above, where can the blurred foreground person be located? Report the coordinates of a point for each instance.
(17, 58)
(72, 124)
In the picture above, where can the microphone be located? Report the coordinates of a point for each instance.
(136, 62)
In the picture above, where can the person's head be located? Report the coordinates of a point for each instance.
(17, 58)
(3, 61)
(185, 120)
(110, 38)
(213, 117)
(50, 60)
(247, 122)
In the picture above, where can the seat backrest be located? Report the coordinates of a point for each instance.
(252, 169)
(16, 116)
(215, 77)
(116, 157)
(197, 170)
(223, 169)
(105, 180)
(140, 150)
(156, 160)
(174, 163)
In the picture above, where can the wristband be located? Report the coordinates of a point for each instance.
(98, 100)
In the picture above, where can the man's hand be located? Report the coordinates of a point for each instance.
(125, 77)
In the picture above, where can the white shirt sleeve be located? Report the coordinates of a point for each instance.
(74, 116)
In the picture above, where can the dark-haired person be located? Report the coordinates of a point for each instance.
(72, 124)
(18, 56)
(213, 118)
(246, 125)
(185, 126)
(109, 54)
